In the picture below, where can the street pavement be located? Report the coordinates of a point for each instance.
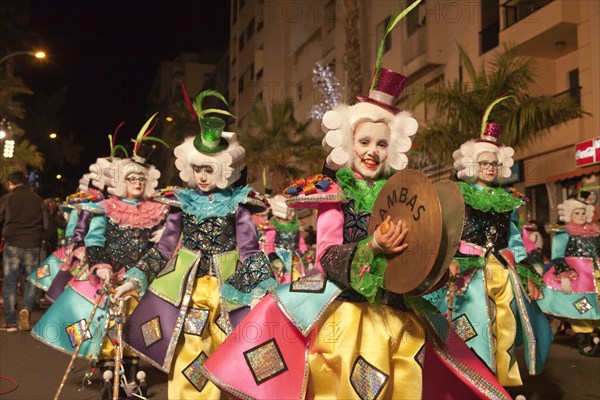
(38, 369)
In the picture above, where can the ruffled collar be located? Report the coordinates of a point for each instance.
(134, 213)
(489, 198)
(585, 230)
(363, 192)
(218, 204)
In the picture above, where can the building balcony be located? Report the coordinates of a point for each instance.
(540, 28)
(426, 49)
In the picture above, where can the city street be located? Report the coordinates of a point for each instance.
(38, 370)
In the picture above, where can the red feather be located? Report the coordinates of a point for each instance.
(117, 130)
(188, 102)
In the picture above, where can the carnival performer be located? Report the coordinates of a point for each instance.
(62, 265)
(115, 241)
(486, 300)
(284, 243)
(206, 280)
(534, 243)
(339, 333)
(573, 280)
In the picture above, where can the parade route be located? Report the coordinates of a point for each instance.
(39, 369)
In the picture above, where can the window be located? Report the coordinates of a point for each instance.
(330, 16)
(379, 35)
(241, 43)
(416, 19)
(490, 26)
(259, 74)
(250, 30)
(233, 62)
(251, 71)
(234, 10)
(260, 26)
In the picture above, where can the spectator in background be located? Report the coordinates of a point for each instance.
(23, 223)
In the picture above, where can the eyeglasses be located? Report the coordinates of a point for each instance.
(134, 179)
(487, 164)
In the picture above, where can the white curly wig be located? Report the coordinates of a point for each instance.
(95, 176)
(566, 208)
(339, 125)
(116, 173)
(466, 159)
(227, 164)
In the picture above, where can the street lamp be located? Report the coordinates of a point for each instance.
(53, 135)
(37, 54)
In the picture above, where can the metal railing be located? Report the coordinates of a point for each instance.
(573, 94)
(517, 10)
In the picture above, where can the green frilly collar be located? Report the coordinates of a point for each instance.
(291, 226)
(489, 198)
(359, 190)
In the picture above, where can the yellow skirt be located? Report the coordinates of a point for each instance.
(107, 350)
(192, 348)
(504, 326)
(357, 343)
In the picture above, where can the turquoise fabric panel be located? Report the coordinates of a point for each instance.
(71, 224)
(55, 325)
(515, 240)
(559, 244)
(95, 235)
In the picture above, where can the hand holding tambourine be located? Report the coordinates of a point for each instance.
(417, 225)
(389, 237)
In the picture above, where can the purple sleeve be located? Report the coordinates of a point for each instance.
(170, 237)
(83, 223)
(247, 240)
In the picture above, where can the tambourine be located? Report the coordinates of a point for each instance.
(433, 215)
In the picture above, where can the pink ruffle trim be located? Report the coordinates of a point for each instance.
(586, 230)
(145, 214)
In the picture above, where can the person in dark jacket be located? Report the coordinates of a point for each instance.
(23, 223)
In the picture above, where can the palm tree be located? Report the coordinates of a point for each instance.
(27, 154)
(461, 105)
(278, 145)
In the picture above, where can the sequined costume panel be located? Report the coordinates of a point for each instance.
(356, 224)
(481, 225)
(580, 246)
(210, 236)
(125, 245)
(287, 240)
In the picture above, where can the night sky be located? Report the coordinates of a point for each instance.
(107, 53)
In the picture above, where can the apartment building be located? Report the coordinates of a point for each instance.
(275, 44)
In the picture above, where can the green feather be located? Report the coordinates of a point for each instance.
(155, 139)
(217, 111)
(110, 143)
(396, 17)
(487, 112)
(119, 147)
(200, 98)
(145, 127)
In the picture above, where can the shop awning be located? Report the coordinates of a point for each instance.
(593, 169)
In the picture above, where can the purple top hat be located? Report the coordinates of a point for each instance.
(491, 134)
(388, 88)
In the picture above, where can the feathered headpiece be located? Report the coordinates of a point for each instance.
(142, 151)
(466, 157)
(213, 146)
(209, 140)
(340, 123)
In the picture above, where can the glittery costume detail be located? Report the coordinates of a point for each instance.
(287, 240)
(250, 273)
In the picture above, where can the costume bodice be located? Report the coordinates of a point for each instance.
(126, 245)
(483, 226)
(580, 246)
(287, 240)
(356, 223)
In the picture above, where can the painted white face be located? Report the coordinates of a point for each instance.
(136, 185)
(371, 141)
(205, 177)
(578, 216)
(488, 168)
